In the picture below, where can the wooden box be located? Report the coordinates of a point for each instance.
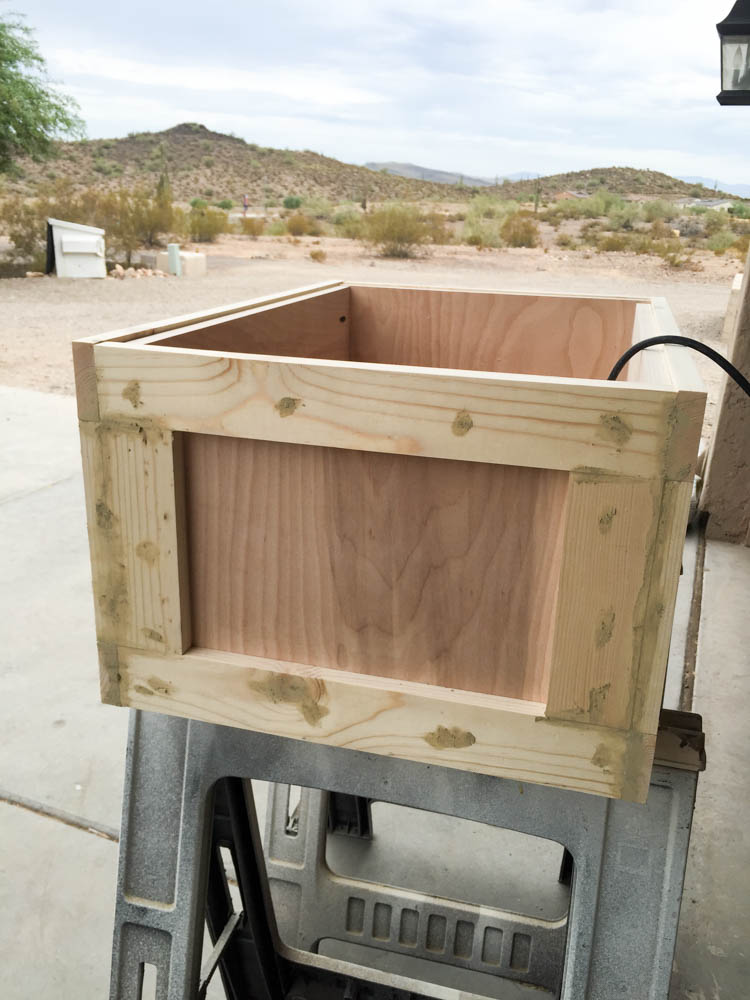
(408, 521)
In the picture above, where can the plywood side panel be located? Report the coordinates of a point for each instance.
(476, 417)
(423, 569)
(316, 326)
(610, 533)
(411, 721)
(529, 334)
(133, 533)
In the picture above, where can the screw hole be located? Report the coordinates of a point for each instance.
(342, 319)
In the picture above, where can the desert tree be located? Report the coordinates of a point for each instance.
(32, 113)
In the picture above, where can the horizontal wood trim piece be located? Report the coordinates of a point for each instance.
(476, 416)
(160, 326)
(439, 726)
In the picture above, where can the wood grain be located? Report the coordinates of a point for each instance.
(610, 533)
(422, 569)
(528, 334)
(131, 510)
(514, 419)
(437, 726)
(314, 326)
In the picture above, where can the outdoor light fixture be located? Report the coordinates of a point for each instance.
(734, 32)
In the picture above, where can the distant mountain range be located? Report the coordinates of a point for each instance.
(741, 190)
(416, 172)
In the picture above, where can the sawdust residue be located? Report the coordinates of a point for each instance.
(454, 738)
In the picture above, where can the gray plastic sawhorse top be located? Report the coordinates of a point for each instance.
(617, 942)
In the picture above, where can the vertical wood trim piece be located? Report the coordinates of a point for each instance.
(606, 563)
(85, 379)
(129, 472)
(657, 628)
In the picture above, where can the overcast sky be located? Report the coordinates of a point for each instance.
(482, 87)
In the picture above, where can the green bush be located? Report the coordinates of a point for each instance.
(198, 203)
(206, 224)
(349, 223)
(318, 208)
(292, 202)
(714, 222)
(437, 229)
(225, 203)
(252, 227)
(520, 230)
(397, 230)
(721, 241)
(659, 210)
(740, 210)
(107, 167)
(277, 228)
(624, 216)
(612, 244)
(302, 225)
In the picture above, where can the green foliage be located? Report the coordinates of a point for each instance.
(292, 202)
(397, 230)
(252, 227)
(225, 203)
(520, 230)
(740, 210)
(624, 216)
(349, 223)
(613, 243)
(437, 228)
(206, 224)
(106, 167)
(277, 228)
(32, 113)
(198, 203)
(318, 208)
(721, 241)
(659, 210)
(130, 219)
(714, 222)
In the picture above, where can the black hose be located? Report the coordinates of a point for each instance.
(696, 345)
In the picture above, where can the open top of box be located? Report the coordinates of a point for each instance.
(553, 336)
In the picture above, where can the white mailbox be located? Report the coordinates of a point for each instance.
(75, 251)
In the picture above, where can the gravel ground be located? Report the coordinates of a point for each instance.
(39, 317)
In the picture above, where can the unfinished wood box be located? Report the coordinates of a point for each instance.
(409, 521)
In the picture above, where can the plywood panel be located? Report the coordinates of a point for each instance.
(529, 334)
(429, 570)
(314, 327)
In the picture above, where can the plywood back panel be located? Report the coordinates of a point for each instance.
(314, 327)
(429, 570)
(529, 334)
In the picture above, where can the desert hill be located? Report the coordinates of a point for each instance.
(215, 166)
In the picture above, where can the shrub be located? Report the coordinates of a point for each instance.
(721, 241)
(520, 230)
(198, 203)
(318, 256)
(659, 210)
(437, 230)
(292, 202)
(301, 225)
(741, 246)
(397, 230)
(106, 167)
(277, 228)
(624, 216)
(206, 224)
(225, 203)
(612, 244)
(209, 161)
(565, 240)
(660, 230)
(689, 226)
(740, 210)
(252, 227)
(349, 223)
(714, 222)
(318, 208)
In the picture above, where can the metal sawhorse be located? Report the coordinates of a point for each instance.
(187, 801)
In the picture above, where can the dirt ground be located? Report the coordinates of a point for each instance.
(40, 316)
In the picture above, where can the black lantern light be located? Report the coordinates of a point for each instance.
(734, 32)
